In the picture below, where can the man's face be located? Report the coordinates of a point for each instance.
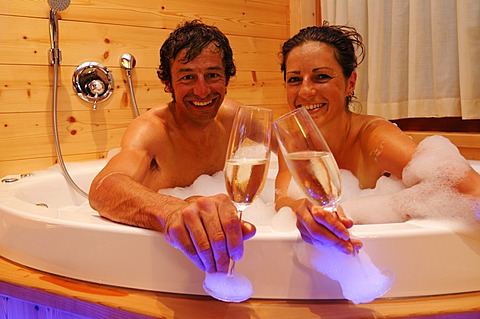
(199, 86)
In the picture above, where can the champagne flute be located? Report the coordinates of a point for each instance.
(315, 170)
(245, 172)
(309, 159)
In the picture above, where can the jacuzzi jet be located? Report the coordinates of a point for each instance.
(9, 180)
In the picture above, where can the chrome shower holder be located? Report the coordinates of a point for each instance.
(93, 82)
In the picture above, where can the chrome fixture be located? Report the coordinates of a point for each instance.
(8, 180)
(92, 82)
(127, 61)
(55, 6)
(55, 59)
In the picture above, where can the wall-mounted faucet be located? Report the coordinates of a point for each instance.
(93, 82)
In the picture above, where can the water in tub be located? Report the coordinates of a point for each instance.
(425, 193)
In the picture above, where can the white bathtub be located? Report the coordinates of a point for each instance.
(70, 239)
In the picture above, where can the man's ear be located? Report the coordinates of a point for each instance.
(168, 88)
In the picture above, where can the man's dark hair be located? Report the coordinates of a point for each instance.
(193, 36)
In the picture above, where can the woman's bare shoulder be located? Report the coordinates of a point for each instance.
(370, 125)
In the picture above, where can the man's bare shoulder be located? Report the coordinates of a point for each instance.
(227, 111)
(229, 107)
(149, 128)
(161, 112)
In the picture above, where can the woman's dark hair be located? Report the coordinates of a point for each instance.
(343, 39)
(193, 36)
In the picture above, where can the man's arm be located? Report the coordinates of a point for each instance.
(206, 229)
(117, 193)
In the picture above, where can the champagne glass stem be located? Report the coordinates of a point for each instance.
(231, 266)
(334, 211)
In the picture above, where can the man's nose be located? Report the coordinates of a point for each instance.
(201, 89)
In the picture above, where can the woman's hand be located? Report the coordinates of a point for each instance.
(319, 226)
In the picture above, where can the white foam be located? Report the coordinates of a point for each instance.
(204, 185)
(284, 221)
(361, 281)
(425, 192)
(437, 160)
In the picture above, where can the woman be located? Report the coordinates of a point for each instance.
(319, 67)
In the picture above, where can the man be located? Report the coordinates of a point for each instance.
(172, 145)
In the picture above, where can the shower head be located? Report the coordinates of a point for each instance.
(55, 6)
(58, 5)
(127, 61)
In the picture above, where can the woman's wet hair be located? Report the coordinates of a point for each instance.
(345, 41)
(193, 36)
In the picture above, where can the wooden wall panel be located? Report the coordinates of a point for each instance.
(25, 41)
(102, 31)
(258, 18)
(468, 143)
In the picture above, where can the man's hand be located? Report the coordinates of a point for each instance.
(208, 231)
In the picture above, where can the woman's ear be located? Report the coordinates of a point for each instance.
(351, 82)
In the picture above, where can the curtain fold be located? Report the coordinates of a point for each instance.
(422, 55)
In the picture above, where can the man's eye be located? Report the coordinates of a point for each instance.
(187, 77)
(213, 75)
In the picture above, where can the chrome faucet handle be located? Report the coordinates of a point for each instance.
(96, 87)
(93, 82)
(95, 102)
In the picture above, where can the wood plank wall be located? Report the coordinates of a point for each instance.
(101, 31)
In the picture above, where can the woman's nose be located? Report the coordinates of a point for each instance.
(307, 89)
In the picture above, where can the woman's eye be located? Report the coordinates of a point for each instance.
(322, 77)
(293, 79)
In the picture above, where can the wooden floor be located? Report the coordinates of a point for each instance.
(28, 293)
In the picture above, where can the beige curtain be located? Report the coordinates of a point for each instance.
(423, 56)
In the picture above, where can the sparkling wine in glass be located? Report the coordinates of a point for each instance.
(309, 158)
(245, 172)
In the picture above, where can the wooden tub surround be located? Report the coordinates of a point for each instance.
(28, 293)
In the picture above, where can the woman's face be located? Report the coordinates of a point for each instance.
(315, 81)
